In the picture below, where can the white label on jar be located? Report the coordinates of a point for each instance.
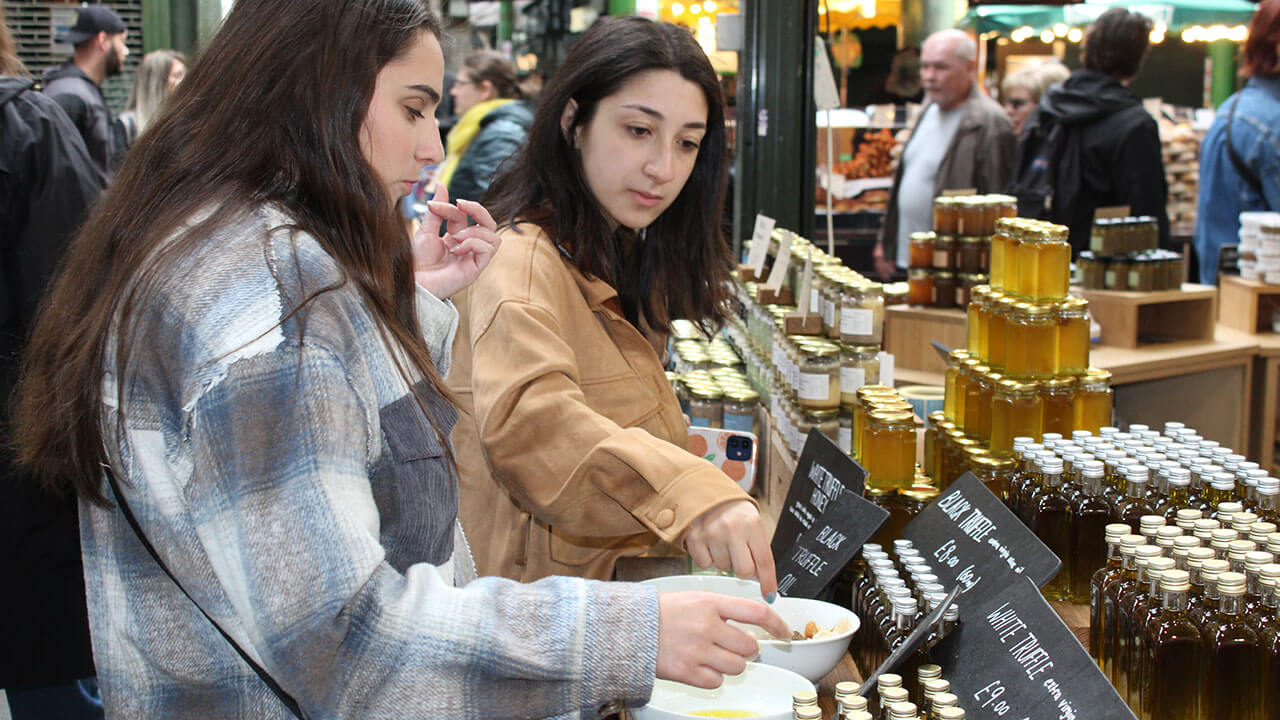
(856, 322)
(851, 379)
(828, 312)
(815, 300)
(814, 387)
(845, 440)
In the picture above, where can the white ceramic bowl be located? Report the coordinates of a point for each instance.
(811, 658)
(761, 689)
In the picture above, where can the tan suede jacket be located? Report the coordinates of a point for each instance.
(571, 444)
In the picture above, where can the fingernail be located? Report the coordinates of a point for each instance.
(769, 598)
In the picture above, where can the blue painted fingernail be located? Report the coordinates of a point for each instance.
(770, 598)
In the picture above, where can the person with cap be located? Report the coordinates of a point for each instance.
(98, 37)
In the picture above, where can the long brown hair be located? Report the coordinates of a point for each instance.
(681, 270)
(269, 113)
(1259, 51)
(10, 63)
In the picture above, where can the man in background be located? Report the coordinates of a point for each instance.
(76, 85)
(962, 140)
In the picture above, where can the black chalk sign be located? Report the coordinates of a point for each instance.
(1012, 658)
(971, 539)
(824, 521)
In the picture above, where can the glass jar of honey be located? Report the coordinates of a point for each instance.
(1052, 253)
(1016, 410)
(1000, 251)
(994, 472)
(986, 394)
(1030, 341)
(950, 388)
(933, 428)
(1093, 270)
(706, 405)
(955, 459)
(971, 258)
(818, 383)
(1071, 316)
(859, 365)
(1116, 276)
(920, 253)
(1093, 401)
(944, 289)
(1142, 274)
(1057, 395)
(973, 398)
(889, 449)
(920, 286)
(945, 216)
(968, 216)
(865, 397)
(862, 313)
(965, 286)
(832, 289)
(916, 498)
(973, 321)
(992, 336)
(740, 405)
(945, 250)
(826, 422)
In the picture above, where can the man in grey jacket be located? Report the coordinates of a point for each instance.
(98, 37)
(962, 140)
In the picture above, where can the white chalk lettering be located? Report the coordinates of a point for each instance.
(1004, 620)
(819, 501)
(954, 505)
(947, 553)
(831, 538)
(1033, 658)
(977, 525)
(809, 561)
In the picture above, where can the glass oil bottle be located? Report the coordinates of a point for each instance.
(1129, 544)
(1174, 680)
(1233, 656)
(1052, 523)
(1134, 504)
(1145, 608)
(1114, 533)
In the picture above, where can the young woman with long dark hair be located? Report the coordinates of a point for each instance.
(239, 375)
(572, 444)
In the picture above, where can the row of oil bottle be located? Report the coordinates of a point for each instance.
(928, 698)
(1188, 632)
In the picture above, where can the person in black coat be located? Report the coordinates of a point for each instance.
(1090, 143)
(47, 183)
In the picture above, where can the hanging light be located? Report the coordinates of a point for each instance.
(1075, 35)
(1239, 34)
(1046, 37)
(709, 6)
(677, 9)
(696, 9)
(1060, 29)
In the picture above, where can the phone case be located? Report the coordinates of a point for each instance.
(733, 451)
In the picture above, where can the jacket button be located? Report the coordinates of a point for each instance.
(665, 518)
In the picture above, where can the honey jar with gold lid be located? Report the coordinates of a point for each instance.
(1057, 396)
(1093, 401)
(889, 449)
(1017, 409)
(1031, 341)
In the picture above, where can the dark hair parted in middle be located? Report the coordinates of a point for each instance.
(491, 67)
(679, 266)
(1116, 42)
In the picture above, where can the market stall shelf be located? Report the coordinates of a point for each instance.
(1247, 305)
(908, 332)
(1133, 319)
(1266, 375)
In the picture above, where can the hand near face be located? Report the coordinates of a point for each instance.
(445, 264)
(732, 536)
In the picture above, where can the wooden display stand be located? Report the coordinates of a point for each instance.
(1266, 376)
(908, 331)
(1132, 319)
(1247, 305)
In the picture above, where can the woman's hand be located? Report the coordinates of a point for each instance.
(445, 264)
(695, 644)
(732, 536)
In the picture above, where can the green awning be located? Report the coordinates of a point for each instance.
(1176, 14)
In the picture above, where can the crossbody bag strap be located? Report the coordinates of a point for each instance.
(1245, 172)
(270, 682)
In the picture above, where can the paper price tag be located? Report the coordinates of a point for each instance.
(760, 244)
(806, 287)
(781, 263)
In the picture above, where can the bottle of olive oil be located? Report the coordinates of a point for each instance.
(1148, 605)
(1134, 505)
(1129, 544)
(1175, 677)
(1051, 522)
(1209, 600)
(1125, 629)
(1177, 495)
(1234, 657)
(1270, 635)
(1018, 484)
(1268, 580)
(1091, 515)
(1254, 593)
(1114, 532)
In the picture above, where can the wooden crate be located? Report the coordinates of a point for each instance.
(909, 330)
(1132, 319)
(1246, 305)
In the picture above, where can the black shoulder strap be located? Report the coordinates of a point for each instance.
(270, 682)
(1245, 172)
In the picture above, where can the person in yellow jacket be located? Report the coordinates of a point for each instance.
(571, 445)
(492, 126)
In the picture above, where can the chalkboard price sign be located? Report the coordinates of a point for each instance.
(824, 521)
(971, 539)
(1012, 658)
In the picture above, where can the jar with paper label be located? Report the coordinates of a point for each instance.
(844, 440)
(740, 405)
(706, 406)
(945, 215)
(968, 216)
(889, 449)
(832, 288)
(971, 258)
(1072, 319)
(944, 289)
(920, 286)
(1016, 410)
(965, 287)
(1093, 401)
(1031, 341)
(950, 387)
(859, 365)
(862, 313)
(920, 254)
(945, 252)
(826, 422)
(1057, 395)
(1116, 276)
(1142, 273)
(818, 383)
(1093, 270)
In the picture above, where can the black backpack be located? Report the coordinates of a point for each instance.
(1046, 169)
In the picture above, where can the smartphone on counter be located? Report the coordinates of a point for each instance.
(733, 451)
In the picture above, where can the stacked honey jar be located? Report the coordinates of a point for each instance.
(809, 381)
(945, 265)
(710, 381)
(1123, 255)
(1025, 370)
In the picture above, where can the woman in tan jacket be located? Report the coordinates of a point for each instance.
(571, 444)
